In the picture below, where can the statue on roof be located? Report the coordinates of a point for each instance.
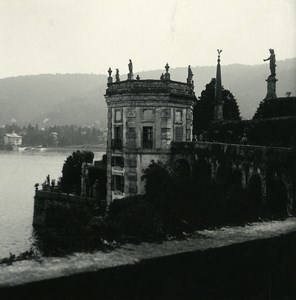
(130, 66)
(272, 64)
(130, 75)
(190, 75)
(110, 77)
(117, 79)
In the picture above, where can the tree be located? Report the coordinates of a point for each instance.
(203, 112)
(71, 180)
(158, 179)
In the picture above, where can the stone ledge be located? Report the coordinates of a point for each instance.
(41, 195)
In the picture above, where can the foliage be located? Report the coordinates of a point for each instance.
(278, 132)
(133, 218)
(71, 179)
(27, 255)
(177, 202)
(203, 112)
(274, 108)
(158, 177)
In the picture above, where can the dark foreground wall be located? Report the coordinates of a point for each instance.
(255, 269)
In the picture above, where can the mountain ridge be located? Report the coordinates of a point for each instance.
(59, 99)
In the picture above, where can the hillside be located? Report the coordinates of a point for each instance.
(247, 83)
(53, 99)
(79, 98)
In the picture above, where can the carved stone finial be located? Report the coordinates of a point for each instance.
(167, 67)
(117, 78)
(110, 79)
(167, 75)
(138, 77)
(109, 71)
(219, 52)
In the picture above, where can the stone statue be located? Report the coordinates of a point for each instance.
(130, 66)
(117, 76)
(272, 64)
(162, 76)
(271, 80)
(190, 75)
(48, 179)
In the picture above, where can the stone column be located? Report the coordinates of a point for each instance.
(218, 106)
(271, 87)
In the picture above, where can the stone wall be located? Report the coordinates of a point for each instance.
(270, 164)
(150, 86)
(51, 207)
(251, 262)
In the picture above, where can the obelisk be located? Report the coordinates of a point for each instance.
(218, 106)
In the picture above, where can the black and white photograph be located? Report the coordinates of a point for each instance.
(148, 149)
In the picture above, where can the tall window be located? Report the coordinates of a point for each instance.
(118, 183)
(179, 133)
(148, 137)
(118, 132)
(117, 141)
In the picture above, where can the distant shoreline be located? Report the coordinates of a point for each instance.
(94, 148)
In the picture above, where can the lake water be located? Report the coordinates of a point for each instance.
(19, 171)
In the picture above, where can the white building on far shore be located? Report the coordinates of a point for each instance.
(12, 139)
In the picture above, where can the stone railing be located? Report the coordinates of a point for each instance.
(237, 151)
(62, 197)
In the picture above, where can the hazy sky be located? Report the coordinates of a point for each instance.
(88, 36)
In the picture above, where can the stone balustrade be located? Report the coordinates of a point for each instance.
(150, 86)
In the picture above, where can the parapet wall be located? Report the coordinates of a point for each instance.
(273, 166)
(251, 262)
(237, 152)
(50, 208)
(150, 86)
